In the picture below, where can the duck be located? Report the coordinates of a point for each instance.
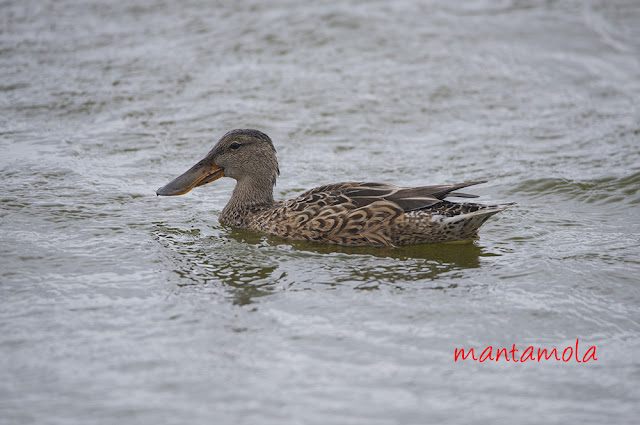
(348, 213)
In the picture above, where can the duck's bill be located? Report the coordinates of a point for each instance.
(202, 173)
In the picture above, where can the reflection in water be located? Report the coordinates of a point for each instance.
(251, 265)
(209, 261)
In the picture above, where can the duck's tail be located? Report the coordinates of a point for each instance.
(466, 224)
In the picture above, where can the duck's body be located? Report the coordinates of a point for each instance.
(359, 214)
(355, 214)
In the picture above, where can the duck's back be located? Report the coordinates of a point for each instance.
(375, 214)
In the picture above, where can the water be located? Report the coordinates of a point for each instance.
(121, 307)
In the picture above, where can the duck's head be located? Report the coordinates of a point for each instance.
(245, 155)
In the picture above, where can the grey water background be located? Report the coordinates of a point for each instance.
(121, 307)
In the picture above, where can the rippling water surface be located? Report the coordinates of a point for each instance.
(121, 307)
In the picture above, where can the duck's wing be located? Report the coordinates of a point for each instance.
(407, 198)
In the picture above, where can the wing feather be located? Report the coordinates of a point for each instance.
(358, 195)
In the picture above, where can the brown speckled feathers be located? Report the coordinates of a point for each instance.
(370, 214)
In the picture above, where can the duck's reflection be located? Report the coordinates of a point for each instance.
(246, 265)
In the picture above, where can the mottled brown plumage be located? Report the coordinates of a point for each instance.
(353, 214)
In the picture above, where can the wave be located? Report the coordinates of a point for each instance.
(593, 191)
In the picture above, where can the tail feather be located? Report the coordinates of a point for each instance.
(483, 213)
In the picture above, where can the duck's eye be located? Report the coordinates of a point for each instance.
(234, 145)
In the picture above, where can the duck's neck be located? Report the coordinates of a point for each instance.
(247, 195)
